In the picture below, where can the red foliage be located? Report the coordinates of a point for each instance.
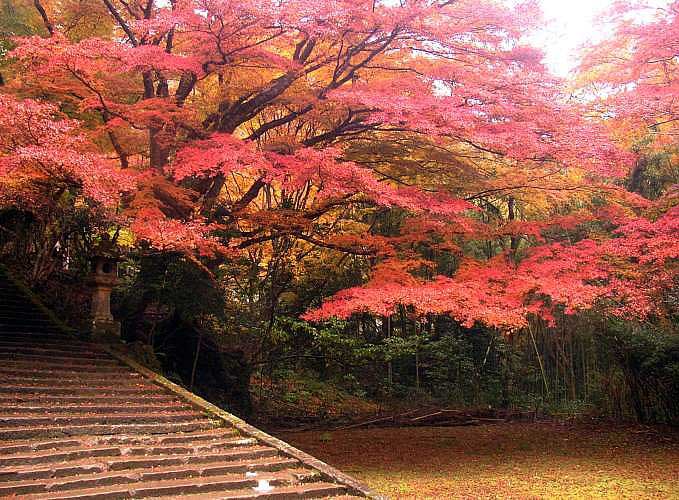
(246, 122)
(42, 153)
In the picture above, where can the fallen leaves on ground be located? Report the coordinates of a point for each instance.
(513, 460)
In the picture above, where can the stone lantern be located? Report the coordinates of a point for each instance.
(103, 278)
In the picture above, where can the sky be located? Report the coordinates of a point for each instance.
(573, 23)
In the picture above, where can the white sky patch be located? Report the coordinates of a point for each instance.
(569, 25)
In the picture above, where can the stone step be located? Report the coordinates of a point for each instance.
(38, 336)
(9, 316)
(197, 437)
(10, 311)
(79, 390)
(168, 485)
(102, 385)
(40, 339)
(127, 440)
(111, 459)
(33, 445)
(26, 320)
(313, 490)
(19, 398)
(10, 303)
(13, 308)
(19, 332)
(98, 450)
(47, 364)
(71, 346)
(11, 296)
(29, 331)
(266, 464)
(61, 469)
(9, 373)
(180, 487)
(194, 448)
(244, 453)
(11, 292)
(51, 431)
(344, 497)
(66, 360)
(57, 367)
(96, 382)
(33, 420)
(50, 352)
(141, 409)
(50, 456)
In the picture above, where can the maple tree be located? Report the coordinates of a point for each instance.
(636, 69)
(228, 130)
(634, 75)
(42, 158)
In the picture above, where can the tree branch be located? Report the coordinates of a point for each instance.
(43, 15)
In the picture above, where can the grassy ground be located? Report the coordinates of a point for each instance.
(505, 460)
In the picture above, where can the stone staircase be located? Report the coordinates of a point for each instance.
(76, 422)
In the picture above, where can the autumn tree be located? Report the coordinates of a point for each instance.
(632, 78)
(285, 131)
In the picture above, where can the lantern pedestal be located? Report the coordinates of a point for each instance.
(103, 279)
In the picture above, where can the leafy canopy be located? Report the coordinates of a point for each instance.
(230, 130)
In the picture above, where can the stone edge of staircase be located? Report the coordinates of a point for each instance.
(245, 428)
(37, 302)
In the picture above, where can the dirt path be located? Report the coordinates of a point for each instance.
(505, 460)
